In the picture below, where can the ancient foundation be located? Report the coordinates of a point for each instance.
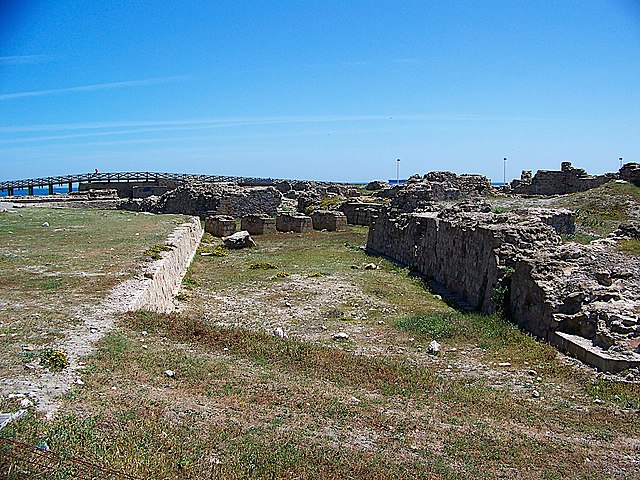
(293, 223)
(220, 225)
(360, 213)
(258, 224)
(328, 220)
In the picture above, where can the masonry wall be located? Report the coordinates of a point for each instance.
(466, 253)
(157, 293)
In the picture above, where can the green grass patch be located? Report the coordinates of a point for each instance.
(262, 266)
(631, 246)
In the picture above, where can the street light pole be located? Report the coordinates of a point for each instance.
(504, 171)
(398, 171)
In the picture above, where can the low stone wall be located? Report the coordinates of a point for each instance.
(293, 223)
(360, 213)
(220, 225)
(258, 224)
(166, 274)
(328, 220)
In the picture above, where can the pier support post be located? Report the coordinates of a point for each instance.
(70, 187)
(10, 192)
(30, 190)
(50, 189)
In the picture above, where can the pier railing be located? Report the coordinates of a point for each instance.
(109, 177)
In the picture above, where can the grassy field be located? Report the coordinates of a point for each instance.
(260, 386)
(48, 273)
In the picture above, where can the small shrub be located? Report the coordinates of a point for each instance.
(262, 266)
(281, 275)
(182, 297)
(315, 275)
(54, 359)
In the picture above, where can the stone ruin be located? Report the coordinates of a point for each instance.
(203, 199)
(360, 213)
(630, 172)
(435, 187)
(220, 225)
(258, 224)
(552, 182)
(328, 220)
(583, 299)
(287, 222)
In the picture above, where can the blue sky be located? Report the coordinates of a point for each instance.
(329, 90)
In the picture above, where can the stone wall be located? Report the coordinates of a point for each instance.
(630, 172)
(286, 222)
(220, 225)
(552, 182)
(582, 298)
(156, 293)
(466, 252)
(258, 224)
(211, 199)
(328, 220)
(360, 213)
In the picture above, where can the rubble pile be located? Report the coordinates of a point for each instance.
(210, 199)
(435, 187)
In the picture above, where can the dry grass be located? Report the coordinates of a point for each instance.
(48, 273)
(245, 403)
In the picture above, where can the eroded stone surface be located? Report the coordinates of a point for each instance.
(516, 261)
(328, 220)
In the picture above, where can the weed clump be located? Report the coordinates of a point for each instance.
(282, 274)
(54, 359)
(155, 252)
(212, 251)
(182, 297)
(189, 282)
(315, 275)
(262, 266)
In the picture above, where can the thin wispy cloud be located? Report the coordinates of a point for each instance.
(23, 59)
(94, 87)
(251, 121)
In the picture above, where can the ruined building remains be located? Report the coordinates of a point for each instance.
(583, 299)
(552, 182)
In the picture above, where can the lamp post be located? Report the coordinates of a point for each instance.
(504, 171)
(398, 171)
(620, 161)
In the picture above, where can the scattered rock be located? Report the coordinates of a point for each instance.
(279, 332)
(535, 394)
(341, 336)
(434, 347)
(371, 266)
(504, 364)
(45, 224)
(26, 403)
(170, 373)
(239, 240)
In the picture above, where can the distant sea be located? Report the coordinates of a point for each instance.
(39, 191)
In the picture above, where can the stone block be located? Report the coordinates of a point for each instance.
(220, 225)
(329, 220)
(258, 224)
(287, 222)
